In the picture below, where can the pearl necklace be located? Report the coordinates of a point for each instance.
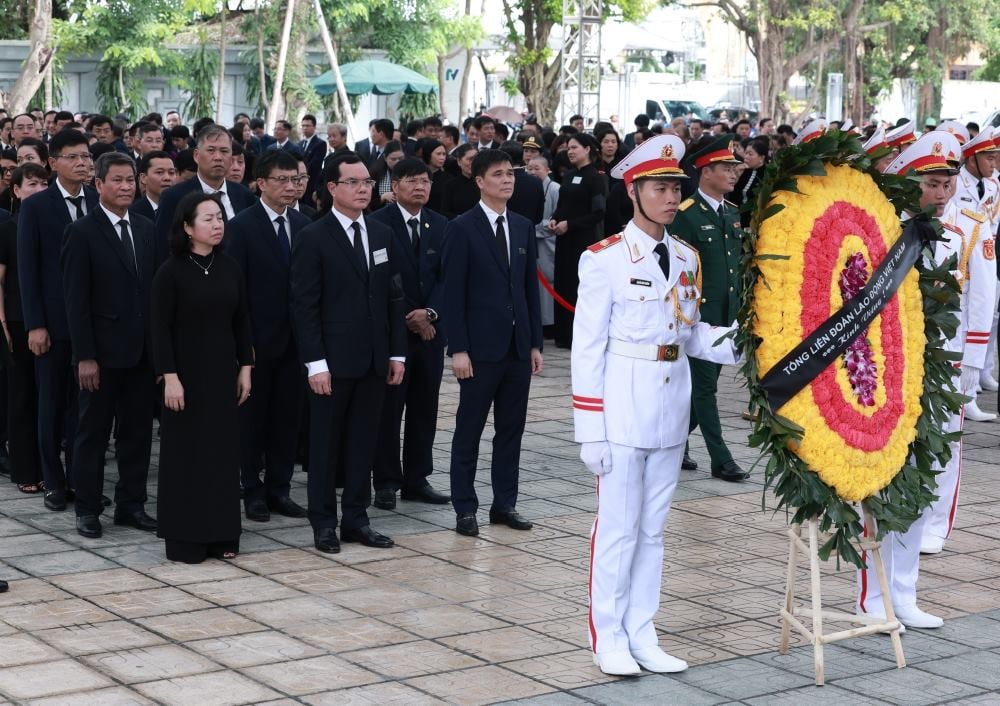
(200, 267)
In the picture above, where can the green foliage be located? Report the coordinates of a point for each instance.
(799, 490)
(199, 80)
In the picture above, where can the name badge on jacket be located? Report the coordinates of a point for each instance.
(380, 256)
(577, 180)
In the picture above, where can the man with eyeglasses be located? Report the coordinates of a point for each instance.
(42, 221)
(260, 239)
(24, 127)
(213, 156)
(419, 238)
(347, 314)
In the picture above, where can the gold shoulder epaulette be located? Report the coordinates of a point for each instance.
(685, 204)
(977, 217)
(606, 243)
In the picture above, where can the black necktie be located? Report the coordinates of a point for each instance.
(502, 240)
(78, 202)
(664, 261)
(721, 217)
(981, 188)
(286, 248)
(414, 234)
(129, 247)
(359, 246)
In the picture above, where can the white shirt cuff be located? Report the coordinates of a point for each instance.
(316, 367)
(399, 359)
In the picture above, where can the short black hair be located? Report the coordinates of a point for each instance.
(588, 142)
(641, 120)
(414, 126)
(145, 128)
(426, 147)
(96, 120)
(972, 126)
(41, 149)
(433, 121)
(180, 131)
(272, 160)
(28, 170)
(310, 117)
(514, 150)
(110, 159)
(285, 124)
(567, 130)
(467, 123)
(410, 167)
(486, 159)
(145, 162)
(503, 132)
(385, 126)
(185, 214)
(99, 148)
(154, 118)
(66, 138)
(764, 121)
(785, 129)
(452, 132)
(483, 120)
(463, 149)
(392, 146)
(63, 115)
(50, 112)
(256, 123)
(331, 169)
(575, 117)
(200, 124)
(741, 122)
(238, 149)
(185, 161)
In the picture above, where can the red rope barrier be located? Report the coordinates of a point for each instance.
(554, 294)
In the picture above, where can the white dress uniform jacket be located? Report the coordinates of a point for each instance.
(624, 297)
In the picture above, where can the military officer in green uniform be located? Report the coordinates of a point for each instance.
(711, 224)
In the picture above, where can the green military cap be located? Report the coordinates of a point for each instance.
(718, 150)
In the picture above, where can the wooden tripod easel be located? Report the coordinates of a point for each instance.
(790, 612)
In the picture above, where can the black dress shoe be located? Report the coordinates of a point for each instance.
(3, 587)
(384, 499)
(55, 500)
(138, 519)
(510, 518)
(466, 524)
(689, 464)
(286, 506)
(325, 540)
(731, 472)
(89, 526)
(427, 494)
(256, 510)
(367, 536)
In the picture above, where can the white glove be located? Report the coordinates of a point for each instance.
(969, 380)
(597, 456)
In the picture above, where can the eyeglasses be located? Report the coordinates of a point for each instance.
(357, 183)
(285, 180)
(84, 157)
(414, 181)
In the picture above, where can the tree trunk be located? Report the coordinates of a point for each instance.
(275, 108)
(121, 88)
(929, 100)
(221, 91)
(261, 68)
(39, 59)
(331, 52)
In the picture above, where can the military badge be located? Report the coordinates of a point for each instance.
(989, 249)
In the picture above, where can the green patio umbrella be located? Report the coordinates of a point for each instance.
(379, 77)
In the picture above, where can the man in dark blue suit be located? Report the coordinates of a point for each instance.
(419, 239)
(214, 156)
(41, 224)
(260, 239)
(313, 150)
(108, 262)
(282, 138)
(494, 338)
(347, 314)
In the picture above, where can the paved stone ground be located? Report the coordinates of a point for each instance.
(443, 618)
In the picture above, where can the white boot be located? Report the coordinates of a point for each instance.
(618, 663)
(653, 659)
(880, 614)
(973, 413)
(913, 617)
(931, 545)
(988, 382)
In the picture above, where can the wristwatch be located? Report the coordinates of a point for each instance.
(432, 315)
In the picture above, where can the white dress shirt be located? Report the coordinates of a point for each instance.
(69, 205)
(223, 194)
(273, 216)
(115, 220)
(711, 202)
(492, 216)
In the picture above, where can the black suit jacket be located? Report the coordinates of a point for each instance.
(5, 215)
(350, 317)
(143, 207)
(240, 196)
(107, 305)
(484, 296)
(315, 153)
(528, 199)
(363, 148)
(422, 276)
(252, 242)
(289, 146)
(41, 226)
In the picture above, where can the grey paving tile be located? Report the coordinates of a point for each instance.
(742, 679)
(918, 646)
(813, 696)
(910, 686)
(979, 668)
(839, 661)
(650, 688)
(60, 563)
(558, 699)
(973, 630)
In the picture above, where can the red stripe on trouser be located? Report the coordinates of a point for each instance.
(590, 579)
(958, 479)
(864, 578)
(581, 398)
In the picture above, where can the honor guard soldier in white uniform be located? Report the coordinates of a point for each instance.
(928, 159)
(976, 190)
(636, 324)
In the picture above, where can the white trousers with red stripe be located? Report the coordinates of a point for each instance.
(901, 559)
(940, 516)
(626, 547)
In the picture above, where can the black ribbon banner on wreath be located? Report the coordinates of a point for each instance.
(824, 345)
